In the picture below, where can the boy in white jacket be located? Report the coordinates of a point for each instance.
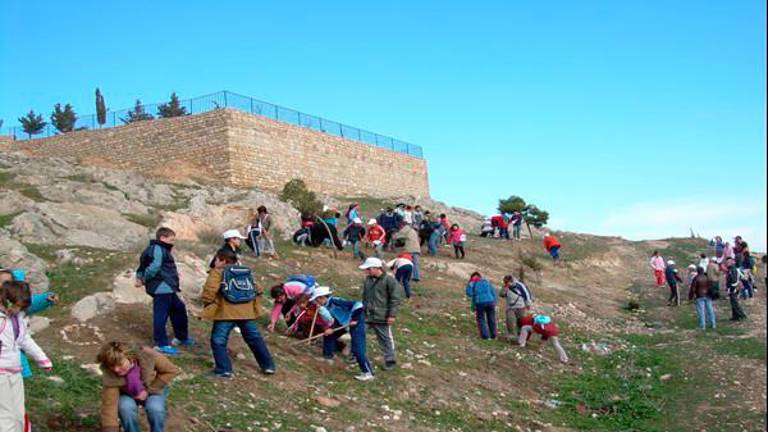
(15, 298)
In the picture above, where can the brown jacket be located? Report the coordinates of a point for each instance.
(217, 309)
(700, 287)
(156, 373)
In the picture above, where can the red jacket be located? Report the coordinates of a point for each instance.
(551, 241)
(376, 232)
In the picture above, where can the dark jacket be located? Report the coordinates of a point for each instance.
(168, 272)
(381, 298)
(354, 233)
(700, 287)
(672, 275)
(389, 221)
(224, 247)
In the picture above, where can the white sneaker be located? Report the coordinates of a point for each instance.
(364, 377)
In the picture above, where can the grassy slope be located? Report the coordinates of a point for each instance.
(450, 379)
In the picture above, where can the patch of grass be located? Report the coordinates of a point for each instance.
(8, 180)
(749, 348)
(81, 178)
(684, 250)
(71, 405)
(150, 220)
(531, 262)
(6, 219)
(5, 178)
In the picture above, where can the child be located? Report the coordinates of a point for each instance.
(227, 315)
(232, 242)
(132, 378)
(486, 230)
(376, 237)
(354, 234)
(543, 325)
(672, 276)
(158, 274)
(402, 265)
(353, 212)
(285, 296)
(552, 245)
(457, 238)
(263, 223)
(483, 297)
(300, 317)
(15, 337)
(519, 301)
(349, 315)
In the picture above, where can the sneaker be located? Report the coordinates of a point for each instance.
(188, 342)
(223, 375)
(167, 350)
(328, 361)
(269, 371)
(388, 366)
(367, 376)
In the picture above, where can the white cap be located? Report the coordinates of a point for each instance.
(671, 262)
(371, 262)
(357, 220)
(692, 266)
(233, 233)
(320, 291)
(372, 222)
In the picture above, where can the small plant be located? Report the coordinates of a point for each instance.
(171, 109)
(531, 262)
(137, 114)
(63, 119)
(32, 123)
(304, 200)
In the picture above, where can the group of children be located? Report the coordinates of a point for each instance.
(703, 279)
(497, 226)
(520, 322)
(135, 377)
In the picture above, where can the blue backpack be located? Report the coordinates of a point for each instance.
(237, 285)
(306, 279)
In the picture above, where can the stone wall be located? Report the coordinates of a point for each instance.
(242, 150)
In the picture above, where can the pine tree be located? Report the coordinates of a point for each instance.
(512, 204)
(138, 114)
(63, 119)
(101, 109)
(171, 109)
(32, 123)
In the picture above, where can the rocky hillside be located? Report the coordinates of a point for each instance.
(78, 230)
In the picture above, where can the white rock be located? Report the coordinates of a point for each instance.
(38, 323)
(93, 305)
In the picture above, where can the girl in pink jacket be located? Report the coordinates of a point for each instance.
(457, 238)
(658, 266)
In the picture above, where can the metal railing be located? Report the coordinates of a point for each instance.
(227, 99)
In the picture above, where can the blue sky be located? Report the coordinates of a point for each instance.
(639, 119)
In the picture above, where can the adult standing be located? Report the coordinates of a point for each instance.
(657, 264)
(732, 285)
(483, 297)
(713, 273)
(517, 223)
(409, 237)
(381, 300)
(390, 221)
(418, 216)
(700, 291)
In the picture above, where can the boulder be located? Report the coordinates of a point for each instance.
(13, 254)
(124, 291)
(38, 323)
(13, 202)
(93, 305)
(95, 194)
(74, 224)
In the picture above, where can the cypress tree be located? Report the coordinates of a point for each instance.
(101, 109)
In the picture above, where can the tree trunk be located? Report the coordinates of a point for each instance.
(530, 233)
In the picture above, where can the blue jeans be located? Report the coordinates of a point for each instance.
(356, 250)
(747, 289)
(358, 345)
(403, 275)
(250, 331)
(516, 232)
(554, 252)
(163, 307)
(434, 240)
(705, 310)
(416, 266)
(485, 313)
(154, 406)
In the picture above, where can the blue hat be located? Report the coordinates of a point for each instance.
(542, 320)
(19, 275)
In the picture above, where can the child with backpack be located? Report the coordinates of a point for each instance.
(230, 300)
(158, 274)
(402, 265)
(232, 242)
(346, 316)
(354, 234)
(543, 325)
(133, 378)
(286, 294)
(15, 299)
(482, 296)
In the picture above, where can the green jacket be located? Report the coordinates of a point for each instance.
(381, 298)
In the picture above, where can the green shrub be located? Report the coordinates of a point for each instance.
(304, 200)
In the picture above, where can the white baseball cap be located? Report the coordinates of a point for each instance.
(670, 262)
(233, 233)
(372, 222)
(371, 262)
(320, 291)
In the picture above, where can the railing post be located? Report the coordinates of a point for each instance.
(276, 116)
(298, 115)
(225, 99)
(359, 136)
(251, 100)
(321, 124)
